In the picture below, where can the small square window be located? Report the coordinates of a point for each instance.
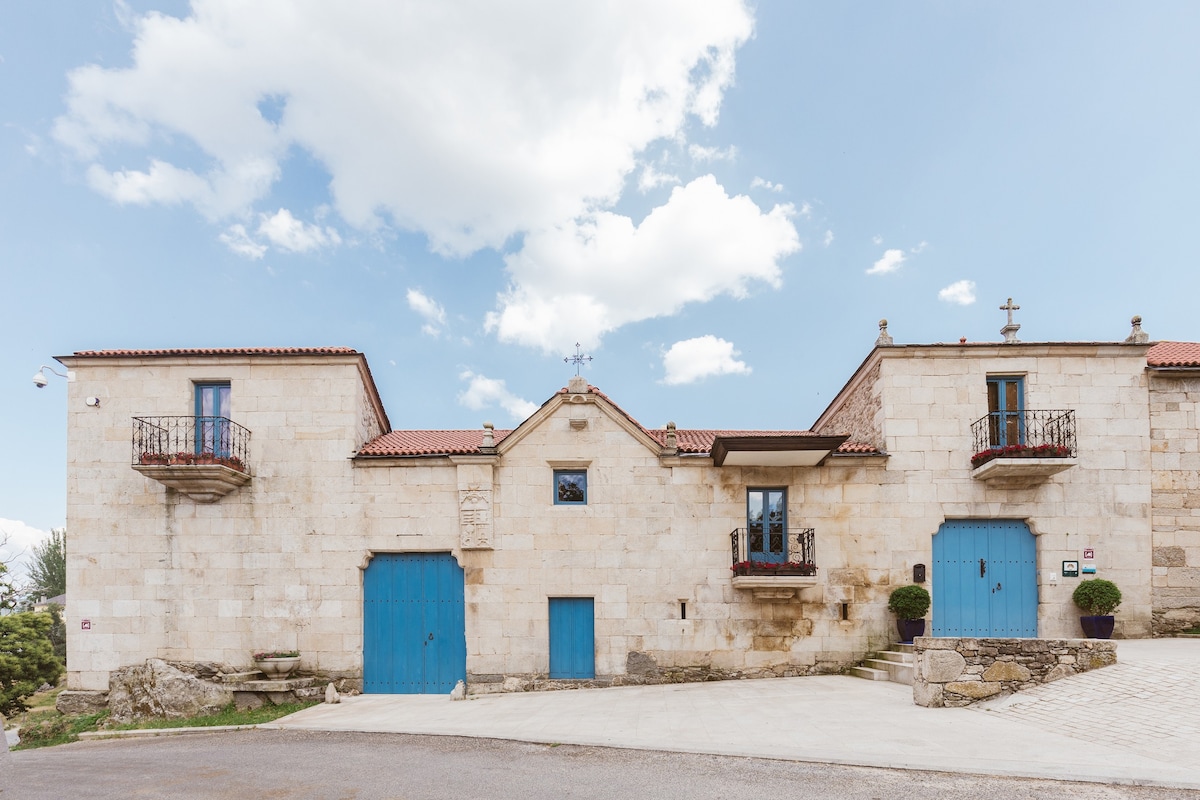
(570, 487)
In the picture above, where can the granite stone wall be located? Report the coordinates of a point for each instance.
(1175, 460)
(952, 672)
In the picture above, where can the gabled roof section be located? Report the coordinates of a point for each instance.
(569, 395)
(1174, 354)
(698, 442)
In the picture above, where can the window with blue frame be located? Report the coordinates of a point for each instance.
(570, 487)
(212, 418)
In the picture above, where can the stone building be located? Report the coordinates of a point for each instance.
(228, 501)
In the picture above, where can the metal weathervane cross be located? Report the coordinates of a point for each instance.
(579, 359)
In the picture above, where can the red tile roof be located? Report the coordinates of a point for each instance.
(428, 443)
(221, 351)
(469, 442)
(1174, 354)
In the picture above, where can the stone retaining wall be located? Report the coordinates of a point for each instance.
(959, 672)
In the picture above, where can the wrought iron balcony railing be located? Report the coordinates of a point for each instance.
(782, 552)
(1024, 434)
(190, 441)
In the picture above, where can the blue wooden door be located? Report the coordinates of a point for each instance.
(984, 579)
(572, 637)
(414, 630)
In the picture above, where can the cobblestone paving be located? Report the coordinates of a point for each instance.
(1149, 708)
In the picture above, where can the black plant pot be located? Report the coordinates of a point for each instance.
(909, 628)
(1098, 627)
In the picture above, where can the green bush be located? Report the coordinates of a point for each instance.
(1097, 597)
(909, 602)
(26, 658)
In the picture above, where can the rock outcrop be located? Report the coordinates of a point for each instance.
(157, 689)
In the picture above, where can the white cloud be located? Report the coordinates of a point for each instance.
(471, 123)
(960, 292)
(692, 359)
(294, 235)
(651, 178)
(580, 280)
(238, 240)
(17, 541)
(877, 239)
(483, 392)
(891, 261)
(828, 240)
(760, 183)
(705, 155)
(431, 311)
(919, 248)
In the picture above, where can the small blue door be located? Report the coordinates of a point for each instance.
(1006, 401)
(572, 637)
(984, 579)
(212, 418)
(414, 630)
(766, 524)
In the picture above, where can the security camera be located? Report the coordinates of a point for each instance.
(39, 380)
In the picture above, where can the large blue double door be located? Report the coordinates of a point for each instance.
(414, 630)
(984, 579)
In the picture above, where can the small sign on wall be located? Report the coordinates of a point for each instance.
(1070, 569)
(1089, 569)
(85, 624)
(1088, 554)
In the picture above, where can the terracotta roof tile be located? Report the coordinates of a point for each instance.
(1174, 354)
(428, 443)
(221, 351)
(860, 448)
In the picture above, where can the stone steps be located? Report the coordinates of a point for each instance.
(894, 664)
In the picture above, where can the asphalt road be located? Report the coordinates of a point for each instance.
(270, 764)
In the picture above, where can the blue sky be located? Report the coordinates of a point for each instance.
(719, 201)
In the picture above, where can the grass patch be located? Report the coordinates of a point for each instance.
(1195, 630)
(227, 716)
(47, 731)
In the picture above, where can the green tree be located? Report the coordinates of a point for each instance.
(8, 592)
(48, 568)
(26, 658)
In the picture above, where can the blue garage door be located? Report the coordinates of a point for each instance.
(984, 579)
(414, 633)
(572, 637)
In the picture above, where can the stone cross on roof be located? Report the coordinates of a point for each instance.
(1010, 330)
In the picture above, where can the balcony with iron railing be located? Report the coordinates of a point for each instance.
(773, 561)
(205, 458)
(1023, 447)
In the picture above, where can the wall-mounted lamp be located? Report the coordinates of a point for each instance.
(40, 380)
(92, 402)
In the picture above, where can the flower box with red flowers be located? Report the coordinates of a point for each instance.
(769, 568)
(1021, 451)
(190, 459)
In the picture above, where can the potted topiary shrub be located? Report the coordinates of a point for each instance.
(910, 604)
(1097, 599)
